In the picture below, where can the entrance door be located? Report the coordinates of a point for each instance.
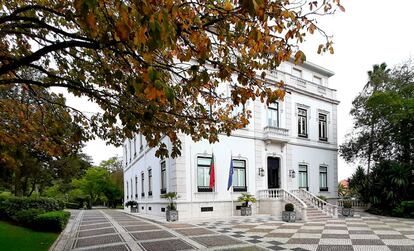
(273, 172)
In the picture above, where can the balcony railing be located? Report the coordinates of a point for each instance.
(273, 133)
(303, 84)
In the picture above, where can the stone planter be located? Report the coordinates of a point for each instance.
(348, 212)
(246, 211)
(171, 215)
(289, 216)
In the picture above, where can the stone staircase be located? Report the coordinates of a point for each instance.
(314, 214)
(317, 209)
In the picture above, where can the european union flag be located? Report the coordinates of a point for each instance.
(230, 182)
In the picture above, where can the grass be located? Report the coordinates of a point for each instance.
(18, 238)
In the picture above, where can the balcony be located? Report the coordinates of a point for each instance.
(275, 134)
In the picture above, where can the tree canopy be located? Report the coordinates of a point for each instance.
(156, 66)
(36, 132)
(384, 117)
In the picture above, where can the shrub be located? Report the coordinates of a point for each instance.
(9, 206)
(347, 204)
(52, 221)
(131, 203)
(322, 197)
(404, 209)
(289, 207)
(72, 205)
(28, 216)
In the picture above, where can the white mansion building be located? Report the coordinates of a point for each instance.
(288, 152)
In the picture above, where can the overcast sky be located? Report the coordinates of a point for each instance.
(369, 32)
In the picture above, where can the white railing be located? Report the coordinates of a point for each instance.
(279, 193)
(301, 83)
(276, 133)
(355, 203)
(329, 209)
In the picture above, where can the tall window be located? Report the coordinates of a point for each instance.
(303, 176)
(142, 184)
(132, 189)
(130, 150)
(317, 80)
(323, 178)
(141, 144)
(127, 188)
(136, 187)
(163, 177)
(203, 176)
(239, 175)
(273, 115)
(135, 146)
(126, 154)
(302, 123)
(149, 182)
(297, 73)
(323, 132)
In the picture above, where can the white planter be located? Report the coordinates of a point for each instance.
(246, 211)
(289, 216)
(171, 215)
(348, 212)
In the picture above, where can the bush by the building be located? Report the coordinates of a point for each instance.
(52, 221)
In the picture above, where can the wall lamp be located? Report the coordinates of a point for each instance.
(261, 172)
(292, 173)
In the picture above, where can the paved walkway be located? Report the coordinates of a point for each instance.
(115, 230)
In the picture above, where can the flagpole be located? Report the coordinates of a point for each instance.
(214, 187)
(231, 191)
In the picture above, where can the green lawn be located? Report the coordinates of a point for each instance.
(18, 238)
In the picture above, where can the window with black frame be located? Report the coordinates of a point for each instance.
(127, 188)
(239, 175)
(203, 174)
(149, 182)
(303, 177)
(135, 146)
(323, 178)
(136, 187)
(273, 115)
(142, 184)
(163, 177)
(323, 132)
(132, 189)
(302, 123)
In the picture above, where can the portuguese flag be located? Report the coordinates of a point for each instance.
(212, 173)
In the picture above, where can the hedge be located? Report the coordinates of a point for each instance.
(27, 217)
(404, 209)
(10, 205)
(72, 205)
(52, 221)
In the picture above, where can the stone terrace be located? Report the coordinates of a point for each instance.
(116, 230)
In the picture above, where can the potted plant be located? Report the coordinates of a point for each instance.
(171, 213)
(133, 206)
(247, 199)
(347, 209)
(289, 215)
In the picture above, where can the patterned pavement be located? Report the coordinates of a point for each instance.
(115, 230)
(367, 232)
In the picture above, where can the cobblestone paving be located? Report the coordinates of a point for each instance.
(363, 233)
(111, 230)
(114, 230)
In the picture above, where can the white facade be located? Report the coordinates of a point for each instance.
(289, 145)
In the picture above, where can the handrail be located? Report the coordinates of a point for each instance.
(355, 203)
(328, 208)
(279, 193)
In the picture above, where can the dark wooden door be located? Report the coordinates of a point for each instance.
(273, 165)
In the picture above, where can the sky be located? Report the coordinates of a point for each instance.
(369, 32)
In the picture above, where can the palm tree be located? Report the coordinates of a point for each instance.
(377, 77)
